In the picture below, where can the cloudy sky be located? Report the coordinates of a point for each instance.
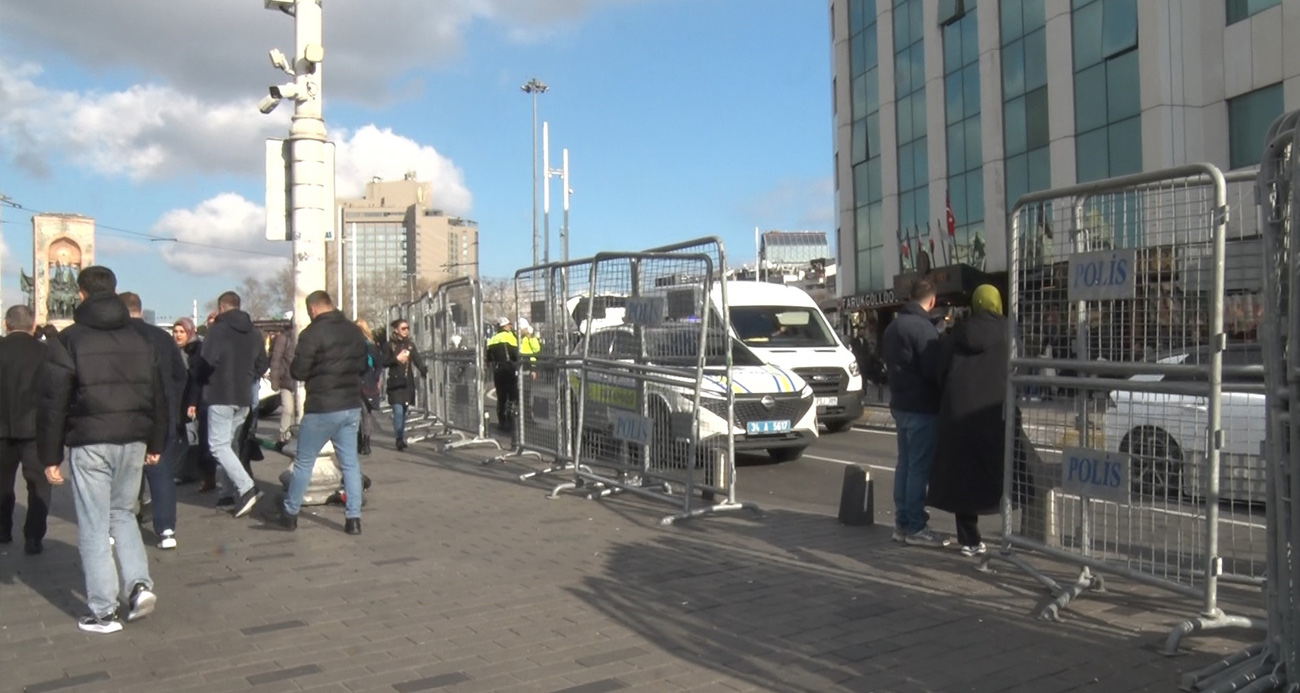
(683, 118)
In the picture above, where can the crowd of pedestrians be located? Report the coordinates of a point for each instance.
(947, 397)
(132, 411)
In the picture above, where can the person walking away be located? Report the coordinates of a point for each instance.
(971, 368)
(503, 359)
(370, 391)
(21, 357)
(402, 360)
(233, 357)
(161, 477)
(102, 396)
(282, 348)
(909, 347)
(330, 359)
(529, 345)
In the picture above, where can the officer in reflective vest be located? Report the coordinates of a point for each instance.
(502, 358)
(529, 345)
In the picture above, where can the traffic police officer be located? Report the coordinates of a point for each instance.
(503, 357)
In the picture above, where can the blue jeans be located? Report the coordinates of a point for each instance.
(912, 473)
(105, 490)
(162, 480)
(339, 427)
(399, 421)
(224, 421)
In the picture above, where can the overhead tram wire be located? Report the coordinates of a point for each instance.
(8, 202)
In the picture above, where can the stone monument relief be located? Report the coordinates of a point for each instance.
(62, 245)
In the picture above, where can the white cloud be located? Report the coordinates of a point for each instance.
(222, 235)
(370, 152)
(219, 48)
(143, 132)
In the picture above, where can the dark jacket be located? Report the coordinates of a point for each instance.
(401, 381)
(370, 380)
(101, 384)
(971, 366)
(170, 361)
(233, 357)
(282, 348)
(330, 359)
(908, 347)
(21, 358)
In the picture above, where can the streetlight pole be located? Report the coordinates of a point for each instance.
(567, 191)
(533, 88)
(546, 190)
(310, 184)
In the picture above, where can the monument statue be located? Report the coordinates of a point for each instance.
(29, 288)
(62, 245)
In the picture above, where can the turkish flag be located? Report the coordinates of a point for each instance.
(907, 249)
(952, 220)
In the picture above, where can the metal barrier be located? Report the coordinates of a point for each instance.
(421, 425)
(456, 319)
(545, 395)
(655, 395)
(1116, 294)
(1275, 663)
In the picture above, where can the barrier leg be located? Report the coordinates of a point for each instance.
(1200, 624)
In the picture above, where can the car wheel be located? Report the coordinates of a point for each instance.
(838, 426)
(785, 454)
(1157, 462)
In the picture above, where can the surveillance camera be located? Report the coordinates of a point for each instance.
(268, 104)
(279, 61)
(285, 91)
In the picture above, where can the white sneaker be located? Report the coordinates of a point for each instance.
(168, 539)
(977, 550)
(927, 537)
(141, 603)
(898, 536)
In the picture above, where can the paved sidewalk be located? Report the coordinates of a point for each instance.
(468, 580)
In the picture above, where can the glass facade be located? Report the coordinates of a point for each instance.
(909, 91)
(1249, 116)
(381, 251)
(867, 187)
(1025, 129)
(1107, 90)
(961, 76)
(1243, 9)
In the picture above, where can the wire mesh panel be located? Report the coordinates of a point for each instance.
(1119, 353)
(654, 388)
(458, 358)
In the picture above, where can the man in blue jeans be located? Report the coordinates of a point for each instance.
(103, 397)
(329, 360)
(231, 360)
(909, 347)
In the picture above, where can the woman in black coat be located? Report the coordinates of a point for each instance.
(967, 475)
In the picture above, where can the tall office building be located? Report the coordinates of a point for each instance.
(403, 244)
(965, 105)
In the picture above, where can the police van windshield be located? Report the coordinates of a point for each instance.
(781, 326)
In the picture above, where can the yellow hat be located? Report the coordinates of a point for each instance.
(987, 298)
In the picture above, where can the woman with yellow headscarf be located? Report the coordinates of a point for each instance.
(966, 478)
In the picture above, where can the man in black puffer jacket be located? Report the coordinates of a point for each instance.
(330, 359)
(910, 346)
(102, 396)
(21, 356)
(232, 359)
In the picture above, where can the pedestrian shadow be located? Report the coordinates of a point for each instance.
(55, 574)
(780, 622)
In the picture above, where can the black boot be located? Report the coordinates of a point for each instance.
(352, 525)
(364, 448)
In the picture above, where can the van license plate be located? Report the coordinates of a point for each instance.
(761, 428)
(828, 401)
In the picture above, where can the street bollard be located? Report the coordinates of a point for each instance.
(857, 498)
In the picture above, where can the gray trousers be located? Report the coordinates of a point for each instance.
(106, 487)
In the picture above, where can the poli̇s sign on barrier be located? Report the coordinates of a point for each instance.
(1096, 474)
(1103, 275)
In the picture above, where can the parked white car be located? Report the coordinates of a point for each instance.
(774, 407)
(1165, 434)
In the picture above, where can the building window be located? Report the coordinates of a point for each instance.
(1107, 93)
(867, 186)
(961, 72)
(1244, 9)
(1249, 117)
(909, 91)
(1026, 134)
